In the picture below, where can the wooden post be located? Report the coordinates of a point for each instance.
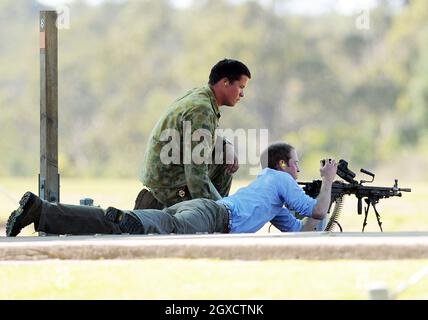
(49, 177)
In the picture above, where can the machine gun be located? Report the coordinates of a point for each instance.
(370, 195)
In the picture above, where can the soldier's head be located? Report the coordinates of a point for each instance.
(228, 78)
(282, 157)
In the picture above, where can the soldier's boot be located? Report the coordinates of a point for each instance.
(28, 212)
(126, 220)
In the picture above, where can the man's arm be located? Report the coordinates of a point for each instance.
(310, 224)
(328, 172)
(199, 183)
(199, 154)
(231, 158)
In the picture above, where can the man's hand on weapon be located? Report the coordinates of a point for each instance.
(328, 170)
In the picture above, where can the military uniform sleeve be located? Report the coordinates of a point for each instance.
(198, 153)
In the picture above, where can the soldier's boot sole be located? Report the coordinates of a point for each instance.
(28, 212)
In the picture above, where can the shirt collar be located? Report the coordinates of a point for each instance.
(214, 105)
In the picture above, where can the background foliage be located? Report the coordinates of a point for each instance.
(318, 81)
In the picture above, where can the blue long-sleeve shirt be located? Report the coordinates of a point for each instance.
(264, 200)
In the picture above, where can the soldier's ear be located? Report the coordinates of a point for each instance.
(283, 164)
(224, 81)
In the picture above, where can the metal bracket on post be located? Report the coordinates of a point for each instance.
(51, 196)
(42, 186)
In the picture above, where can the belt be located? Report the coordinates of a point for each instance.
(228, 226)
(181, 192)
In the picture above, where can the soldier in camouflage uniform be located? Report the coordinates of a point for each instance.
(168, 182)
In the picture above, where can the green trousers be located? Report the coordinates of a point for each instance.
(160, 198)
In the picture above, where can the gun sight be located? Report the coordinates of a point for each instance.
(344, 172)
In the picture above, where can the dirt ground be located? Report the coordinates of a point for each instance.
(308, 245)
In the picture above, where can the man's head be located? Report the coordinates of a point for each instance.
(228, 78)
(282, 157)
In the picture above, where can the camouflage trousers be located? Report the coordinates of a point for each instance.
(162, 198)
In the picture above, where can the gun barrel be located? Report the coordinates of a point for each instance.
(405, 189)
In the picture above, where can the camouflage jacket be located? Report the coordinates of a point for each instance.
(197, 109)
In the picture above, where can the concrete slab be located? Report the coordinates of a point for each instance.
(308, 245)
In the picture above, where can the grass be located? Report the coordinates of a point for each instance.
(206, 279)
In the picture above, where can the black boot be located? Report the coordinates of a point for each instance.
(127, 222)
(28, 212)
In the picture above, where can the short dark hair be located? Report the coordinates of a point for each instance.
(232, 69)
(276, 152)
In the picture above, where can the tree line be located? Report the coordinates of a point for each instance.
(318, 82)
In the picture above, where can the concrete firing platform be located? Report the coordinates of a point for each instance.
(308, 245)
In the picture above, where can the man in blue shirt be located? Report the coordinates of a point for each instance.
(269, 198)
